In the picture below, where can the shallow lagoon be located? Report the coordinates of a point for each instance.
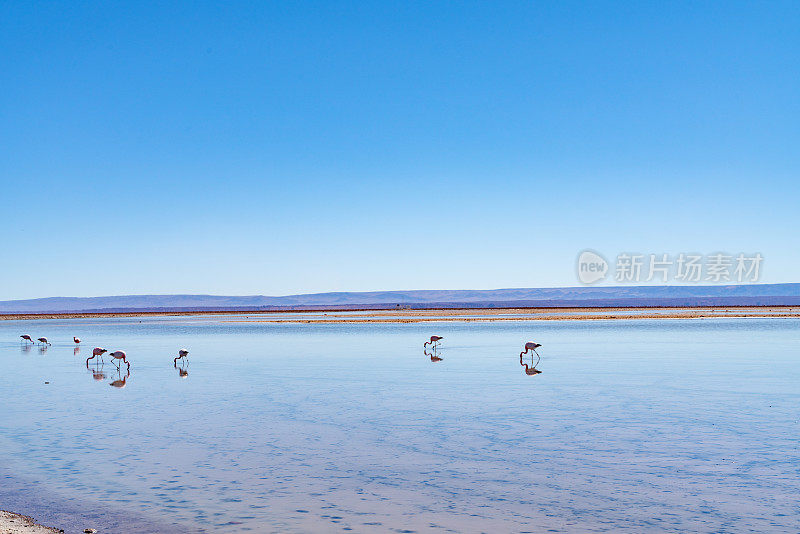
(632, 425)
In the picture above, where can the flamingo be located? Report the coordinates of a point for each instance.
(119, 355)
(26, 338)
(43, 340)
(434, 341)
(182, 353)
(97, 351)
(76, 340)
(530, 345)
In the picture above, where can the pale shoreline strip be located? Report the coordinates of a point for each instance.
(11, 523)
(447, 314)
(456, 319)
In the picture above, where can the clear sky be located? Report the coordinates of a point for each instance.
(287, 147)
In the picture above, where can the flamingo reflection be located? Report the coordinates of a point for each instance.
(530, 370)
(96, 369)
(120, 382)
(183, 372)
(432, 354)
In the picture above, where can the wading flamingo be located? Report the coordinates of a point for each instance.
(26, 338)
(97, 351)
(183, 353)
(434, 341)
(119, 355)
(530, 345)
(76, 340)
(531, 370)
(43, 340)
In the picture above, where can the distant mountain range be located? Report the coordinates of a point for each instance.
(730, 295)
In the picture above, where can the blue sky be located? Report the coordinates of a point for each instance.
(277, 147)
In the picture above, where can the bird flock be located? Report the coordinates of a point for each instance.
(434, 343)
(118, 357)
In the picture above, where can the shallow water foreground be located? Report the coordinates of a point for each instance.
(646, 425)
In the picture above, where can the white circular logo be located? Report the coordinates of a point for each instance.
(592, 267)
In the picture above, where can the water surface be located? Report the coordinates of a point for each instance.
(645, 425)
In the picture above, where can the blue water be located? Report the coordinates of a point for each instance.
(647, 425)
